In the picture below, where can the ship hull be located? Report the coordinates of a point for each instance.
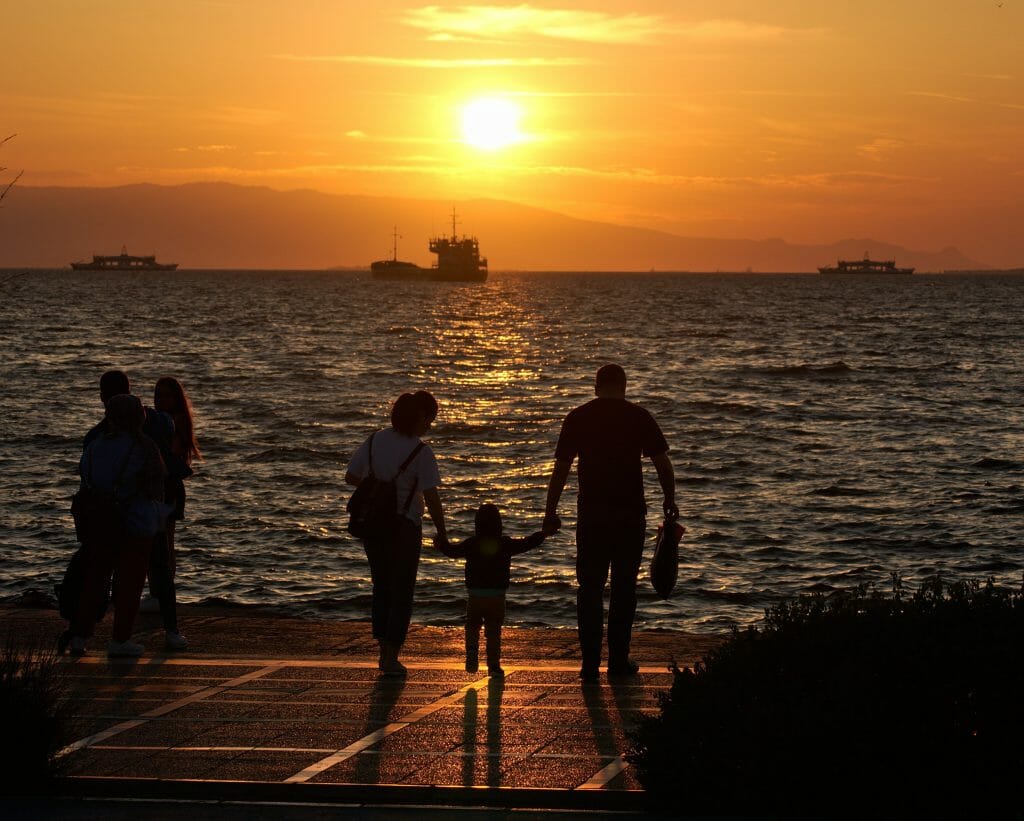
(903, 272)
(407, 271)
(156, 266)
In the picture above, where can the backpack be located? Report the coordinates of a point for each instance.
(373, 506)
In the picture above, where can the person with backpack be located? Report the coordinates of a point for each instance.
(395, 475)
(123, 465)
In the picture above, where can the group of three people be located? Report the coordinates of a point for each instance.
(139, 457)
(609, 435)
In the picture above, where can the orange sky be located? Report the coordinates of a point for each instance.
(811, 121)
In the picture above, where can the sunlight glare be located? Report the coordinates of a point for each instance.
(491, 123)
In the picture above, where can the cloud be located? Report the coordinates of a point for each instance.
(879, 148)
(216, 147)
(437, 62)
(958, 99)
(522, 22)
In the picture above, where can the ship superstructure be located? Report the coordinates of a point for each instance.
(124, 262)
(865, 266)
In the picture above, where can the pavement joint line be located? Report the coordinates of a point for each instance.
(384, 753)
(368, 741)
(157, 712)
(241, 661)
(600, 779)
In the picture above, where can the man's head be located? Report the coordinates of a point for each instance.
(113, 383)
(610, 382)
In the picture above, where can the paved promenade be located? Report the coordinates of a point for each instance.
(283, 704)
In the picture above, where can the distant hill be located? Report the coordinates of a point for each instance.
(220, 225)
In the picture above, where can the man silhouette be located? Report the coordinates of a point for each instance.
(610, 435)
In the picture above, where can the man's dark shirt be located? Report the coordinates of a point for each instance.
(610, 436)
(489, 559)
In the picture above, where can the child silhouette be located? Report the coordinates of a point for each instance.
(488, 557)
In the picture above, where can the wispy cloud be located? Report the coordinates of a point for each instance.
(437, 62)
(879, 148)
(953, 98)
(512, 23)
(524, 21)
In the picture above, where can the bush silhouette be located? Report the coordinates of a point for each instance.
(856, 701)
(36, 715)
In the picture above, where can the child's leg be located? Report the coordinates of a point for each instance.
(474, 619)
(494, 617)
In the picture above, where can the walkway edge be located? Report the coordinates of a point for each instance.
(351, 794)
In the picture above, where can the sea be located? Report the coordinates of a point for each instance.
(826, 432)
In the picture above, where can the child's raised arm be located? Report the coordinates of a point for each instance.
(516, 546)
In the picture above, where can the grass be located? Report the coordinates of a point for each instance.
(853, 702)
(35, 712)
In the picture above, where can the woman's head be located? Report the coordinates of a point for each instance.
(413, 413)
(125, 413)
(488, 521)
(169, 397)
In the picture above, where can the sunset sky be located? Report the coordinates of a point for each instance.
(811, 121)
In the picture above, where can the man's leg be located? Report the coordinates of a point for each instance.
(494, 617)
(161, 582)
(129, 579)
(592, 563)
(625, 565)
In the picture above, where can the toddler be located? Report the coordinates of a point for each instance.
(488, 557)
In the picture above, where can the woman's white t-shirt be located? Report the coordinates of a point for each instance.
(390, 449)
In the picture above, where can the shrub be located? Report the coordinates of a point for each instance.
(36, 716)
(857, 701)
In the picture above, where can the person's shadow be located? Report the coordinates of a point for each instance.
(470, 725)
(387, 690)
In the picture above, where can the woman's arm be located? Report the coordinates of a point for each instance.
(433, 501)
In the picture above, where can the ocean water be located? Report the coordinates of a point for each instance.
(825, 432)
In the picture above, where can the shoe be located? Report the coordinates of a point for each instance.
(495, 672)
(125, 648)
(175, 641)
(589, 675)
(393, 668)
(472, 666)
(77, 646)
(62, 642)
(150, 604)
(621, 669)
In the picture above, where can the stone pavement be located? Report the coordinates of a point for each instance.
(217, 715)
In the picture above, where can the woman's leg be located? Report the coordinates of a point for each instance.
(129, 578)
(405, 559)
(161, 583)
(376, 556)
(98, 564)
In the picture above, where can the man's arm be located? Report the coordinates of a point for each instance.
(433, 501)
(559, 473)
(667, 478)
(352, 479)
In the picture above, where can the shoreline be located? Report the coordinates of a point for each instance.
(214, 631)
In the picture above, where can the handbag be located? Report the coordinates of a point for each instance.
(665, 561)
(99, 514)
(69, 591)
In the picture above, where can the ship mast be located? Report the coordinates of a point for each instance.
(454, 235)
(394, 243)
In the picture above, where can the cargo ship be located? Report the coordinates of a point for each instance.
(458, 260)
(124, 262)
(866, 266)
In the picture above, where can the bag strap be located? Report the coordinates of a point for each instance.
(370, 443)
(415, 482)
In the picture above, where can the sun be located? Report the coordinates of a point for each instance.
(491, 123)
